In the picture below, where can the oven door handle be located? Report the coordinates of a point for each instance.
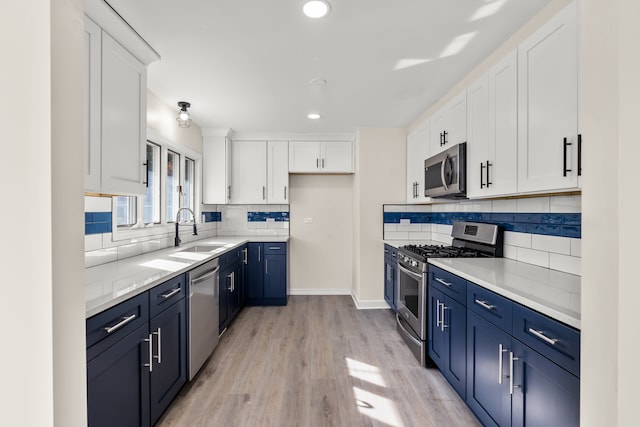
(410, 273)
(405, 331)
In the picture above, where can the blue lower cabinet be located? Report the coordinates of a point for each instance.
(134, 374)
(118, 383)
(267, 274)
(488, 371)
(544, 394)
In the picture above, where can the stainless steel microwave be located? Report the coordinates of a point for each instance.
(445, 174)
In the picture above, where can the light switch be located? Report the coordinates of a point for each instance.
(308, 220)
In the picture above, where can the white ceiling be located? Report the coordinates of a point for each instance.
(248, 64)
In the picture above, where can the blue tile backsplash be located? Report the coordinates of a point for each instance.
(97, 222)
(550, 224)
(263, 216)
(212, 216)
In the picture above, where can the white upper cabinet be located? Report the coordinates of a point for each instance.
(278, 172)
(216, 168)
(260, 172)
(124, 120)
(249, 172)
(417, 151)
(321, 157)
(449, 124)
(548, 106)
(115, 115)
(493, 131)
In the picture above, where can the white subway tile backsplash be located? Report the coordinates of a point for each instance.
(419, 235)
(503, 206)
(426, 227)
(510, 252)
(92, 242)
(444, 239)
(576, 247)
(442, 228)
(257, 224)
(554, 244)
(266, 232)
(568, 264)
(565, 204)
(522, 240)
(397, 235)
(97, 204)
(108, 242)
(127, 251)
(409, 227)
(395, 208)
(533, 205)
(418, 208)
(534, 257)
(390, 227)
(101, 256)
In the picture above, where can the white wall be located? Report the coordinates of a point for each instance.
(162, 119)
(321, 251)
(609, 111)
(42, 314)
(380, 178)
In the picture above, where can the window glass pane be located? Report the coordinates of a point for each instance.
(189, 188)
(125, 210)
(152, 196)
(173, 178)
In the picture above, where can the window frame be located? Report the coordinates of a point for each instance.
(166, 226)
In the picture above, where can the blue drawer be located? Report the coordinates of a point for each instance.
(164, 295)
(554, 340)
(490, 306)
(450, 284)
(279, 248)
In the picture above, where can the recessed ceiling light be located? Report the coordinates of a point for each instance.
(316, 8)
(314, 116)
(318, 82)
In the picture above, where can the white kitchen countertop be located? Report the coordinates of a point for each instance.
(550, 292)
(109, 284)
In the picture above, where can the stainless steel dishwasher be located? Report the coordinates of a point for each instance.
(203, 307)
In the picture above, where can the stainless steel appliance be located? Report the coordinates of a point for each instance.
(470, 240)
(203, 307)
(445, 174)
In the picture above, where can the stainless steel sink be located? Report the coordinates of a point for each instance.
(201, 248)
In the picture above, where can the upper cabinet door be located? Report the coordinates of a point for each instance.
(336, 157)
(124, 119)
(548, 105)
(304, 157)
(418, 150)
(278, 172)
(92, 104)
(456, 120)
(249, 172)
(216, 170)
(478, 132)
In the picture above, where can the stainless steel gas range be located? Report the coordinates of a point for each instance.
(470, 240)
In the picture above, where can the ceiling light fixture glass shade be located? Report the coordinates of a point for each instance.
(183, 119)
(316, 8)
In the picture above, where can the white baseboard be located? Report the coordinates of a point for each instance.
(319, 291)
(368, 304)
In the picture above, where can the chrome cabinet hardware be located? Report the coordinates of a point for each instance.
(447, 284)
(543, 337)
(158, 356)
(150, 364)
(438, 312)
(229, 192)
(501, 350)
(264, 194)
(484, 304)
(232, 286)
(266, 266)
(285, 192)
(170, 294)
(259, 246)
(511, 386)
(274, 248)
(120, 324)
(245, 253)
(442, 317)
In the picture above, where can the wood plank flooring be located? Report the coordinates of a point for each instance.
(316, 362)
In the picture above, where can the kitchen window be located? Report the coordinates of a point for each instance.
(151, 204)
(173, 185)
(188, 188)
(126, 210)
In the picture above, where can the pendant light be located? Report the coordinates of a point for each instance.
(183, 119)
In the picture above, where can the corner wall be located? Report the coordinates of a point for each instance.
(380, 178)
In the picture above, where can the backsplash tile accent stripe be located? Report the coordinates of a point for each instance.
(212, 216)
(97, 222)
(549, 224)
(263, 216)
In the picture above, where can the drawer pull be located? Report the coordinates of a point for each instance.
(120, 324)
(447, 284)
(274, 248)
(543, 337)
(170, 294)
(484, 304)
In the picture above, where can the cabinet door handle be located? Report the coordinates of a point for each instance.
(266, 266)
(488, 182)
(285, 192)
(511, 386)
(579, 155)
(543, 337)
(441, 139)
(229, 192)
(442, 322)
(150, 364)
(444, 138)
(264, 194)
(259, 246)
(438, 312)
(146, 174)
(317, 163)
(274, 248)
(323, 163)
(447, 284)
(501, 350)
(120, 324)
(564, 157)
(245, 253)
(481, 175)
(484, 304)
(159, 355)
(170, 294)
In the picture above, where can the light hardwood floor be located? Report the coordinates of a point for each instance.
(316, 362)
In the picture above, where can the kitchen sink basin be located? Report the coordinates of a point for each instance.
(202, 248)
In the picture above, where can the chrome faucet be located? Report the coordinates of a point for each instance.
(195, 231)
